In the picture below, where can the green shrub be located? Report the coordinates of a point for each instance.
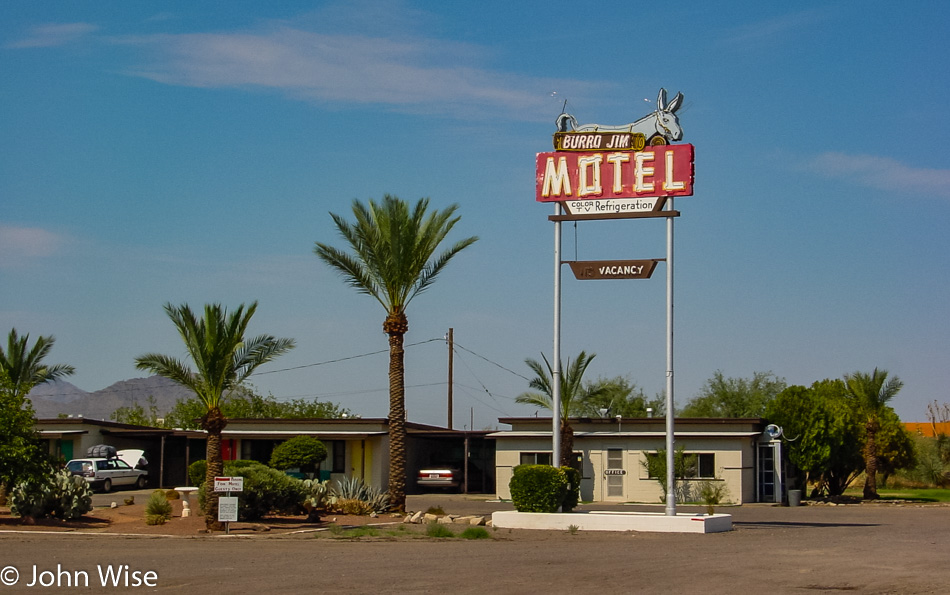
(537, 488)
(266, 490)
(302, 452)
(437, 530)
(197, 472)
(57, 494)
(158, 509)
(172, 495)
(573, 493)
(475, 533)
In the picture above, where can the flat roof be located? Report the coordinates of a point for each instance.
(542, 434)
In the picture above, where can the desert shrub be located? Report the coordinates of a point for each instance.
(712, 493)
(572, 494)
(266, 490)
(172, 495)
(352, 506)
(437, 510)
(537, 488)
(475, 533)
(303, 452)
(57, 494)
(158, 509)
(437, 530)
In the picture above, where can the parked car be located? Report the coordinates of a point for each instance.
(106, 472)
(448, 477)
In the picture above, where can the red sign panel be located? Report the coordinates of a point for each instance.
(662, 170)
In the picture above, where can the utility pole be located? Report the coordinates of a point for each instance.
(451, 342)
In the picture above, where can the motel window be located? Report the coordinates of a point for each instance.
(695, 465)
(535, 458)
(338, 448)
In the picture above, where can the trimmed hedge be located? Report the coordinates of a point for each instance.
(537, 488)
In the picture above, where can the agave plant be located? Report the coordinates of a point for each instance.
(343, 493)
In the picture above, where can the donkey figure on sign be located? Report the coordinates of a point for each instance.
(659, 128)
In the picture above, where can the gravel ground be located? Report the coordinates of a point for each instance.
(866, 548)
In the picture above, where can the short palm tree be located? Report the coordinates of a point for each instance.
(24, 368)
(392, 261)
(871, 393)
(223, 359)
(573, 395)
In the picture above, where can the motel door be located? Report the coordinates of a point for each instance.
(769, 471)
(615, 475)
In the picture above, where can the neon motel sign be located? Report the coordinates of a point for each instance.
(661, 170)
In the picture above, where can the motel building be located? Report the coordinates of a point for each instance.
(610, 453)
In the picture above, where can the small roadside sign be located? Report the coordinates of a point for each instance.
(228, 509)
(229, 484)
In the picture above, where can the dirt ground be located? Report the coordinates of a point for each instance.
(861, 548)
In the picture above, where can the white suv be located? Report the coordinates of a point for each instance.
(108, 472)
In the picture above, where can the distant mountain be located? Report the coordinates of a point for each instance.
(55, 398)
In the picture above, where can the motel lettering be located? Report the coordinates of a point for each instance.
(665, 170)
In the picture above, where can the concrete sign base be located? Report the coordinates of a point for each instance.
(614, 521)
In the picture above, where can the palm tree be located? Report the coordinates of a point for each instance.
(24, 368)
(21, 369)
(390, 261)
(224, 359)
(871, 393)
(573, 395)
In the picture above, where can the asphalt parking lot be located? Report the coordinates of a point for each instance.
(874, 548)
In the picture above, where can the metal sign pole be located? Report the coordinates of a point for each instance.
(670, 438)
(556, 372)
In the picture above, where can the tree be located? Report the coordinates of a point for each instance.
(735, 397)
(244, 403)
(21, 369)
(573, 395)
(24, 368)
(895, 446)
(618, 396)
(223, 359)
(137, 415)
(871, 393)
(820, 429)
(392, 261)
(303, 452)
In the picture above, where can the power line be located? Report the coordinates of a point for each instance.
(343, 359)
(493, 363)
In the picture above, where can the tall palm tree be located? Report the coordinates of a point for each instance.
(871, 393)
(573, 395)
(223, 359)
(24, 368)
(392, 261)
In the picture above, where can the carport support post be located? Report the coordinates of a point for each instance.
(670, 439)
(556, 372)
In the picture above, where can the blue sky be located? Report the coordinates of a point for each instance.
(192, 152)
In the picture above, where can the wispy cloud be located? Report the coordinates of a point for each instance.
(780, 27)
(409, 74)
(53, 35)
(882, 173)
(19, 245)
